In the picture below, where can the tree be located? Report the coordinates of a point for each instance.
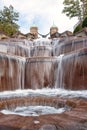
(84, 24)
(84, 8)
(77, 28)
(75, 8)
(8, 18)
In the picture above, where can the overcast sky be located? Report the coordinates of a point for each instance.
(41, 13)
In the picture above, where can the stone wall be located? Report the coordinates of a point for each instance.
(44, 67)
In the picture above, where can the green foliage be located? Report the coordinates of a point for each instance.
(78, 28)
(84, 24)
(8, 17)
(75, 8)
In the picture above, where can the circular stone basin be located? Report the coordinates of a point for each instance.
(34, 110)
(33, 105)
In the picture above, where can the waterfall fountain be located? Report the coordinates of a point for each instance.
(43, 83)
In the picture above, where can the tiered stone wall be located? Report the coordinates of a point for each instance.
(23, 64)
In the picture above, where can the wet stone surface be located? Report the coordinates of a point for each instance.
(73, 119)
(48, 127)
(9, 128)
(20, 71)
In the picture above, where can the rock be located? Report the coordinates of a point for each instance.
(39, 72)
(74, 69)
(23, 128)
(8, 128)
(72, 119)
(11, 72)
(42, 51)
(42, 70)
(48, 127)
(68, 45)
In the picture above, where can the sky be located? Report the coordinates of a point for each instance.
(42, 13)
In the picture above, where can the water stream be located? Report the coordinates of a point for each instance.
(42, 68)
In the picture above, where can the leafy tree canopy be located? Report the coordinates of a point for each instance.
(75, 8)
(78, 28)
(84, 24)
(8, 18)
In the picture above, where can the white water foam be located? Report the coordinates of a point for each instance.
(33, 111)
(44, 92)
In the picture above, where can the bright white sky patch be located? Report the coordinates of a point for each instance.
(42, 13)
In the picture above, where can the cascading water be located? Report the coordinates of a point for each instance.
(40, 75)
(11, 72)
(41, 66)
(59, 73)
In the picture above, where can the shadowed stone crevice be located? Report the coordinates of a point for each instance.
(9, 128)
